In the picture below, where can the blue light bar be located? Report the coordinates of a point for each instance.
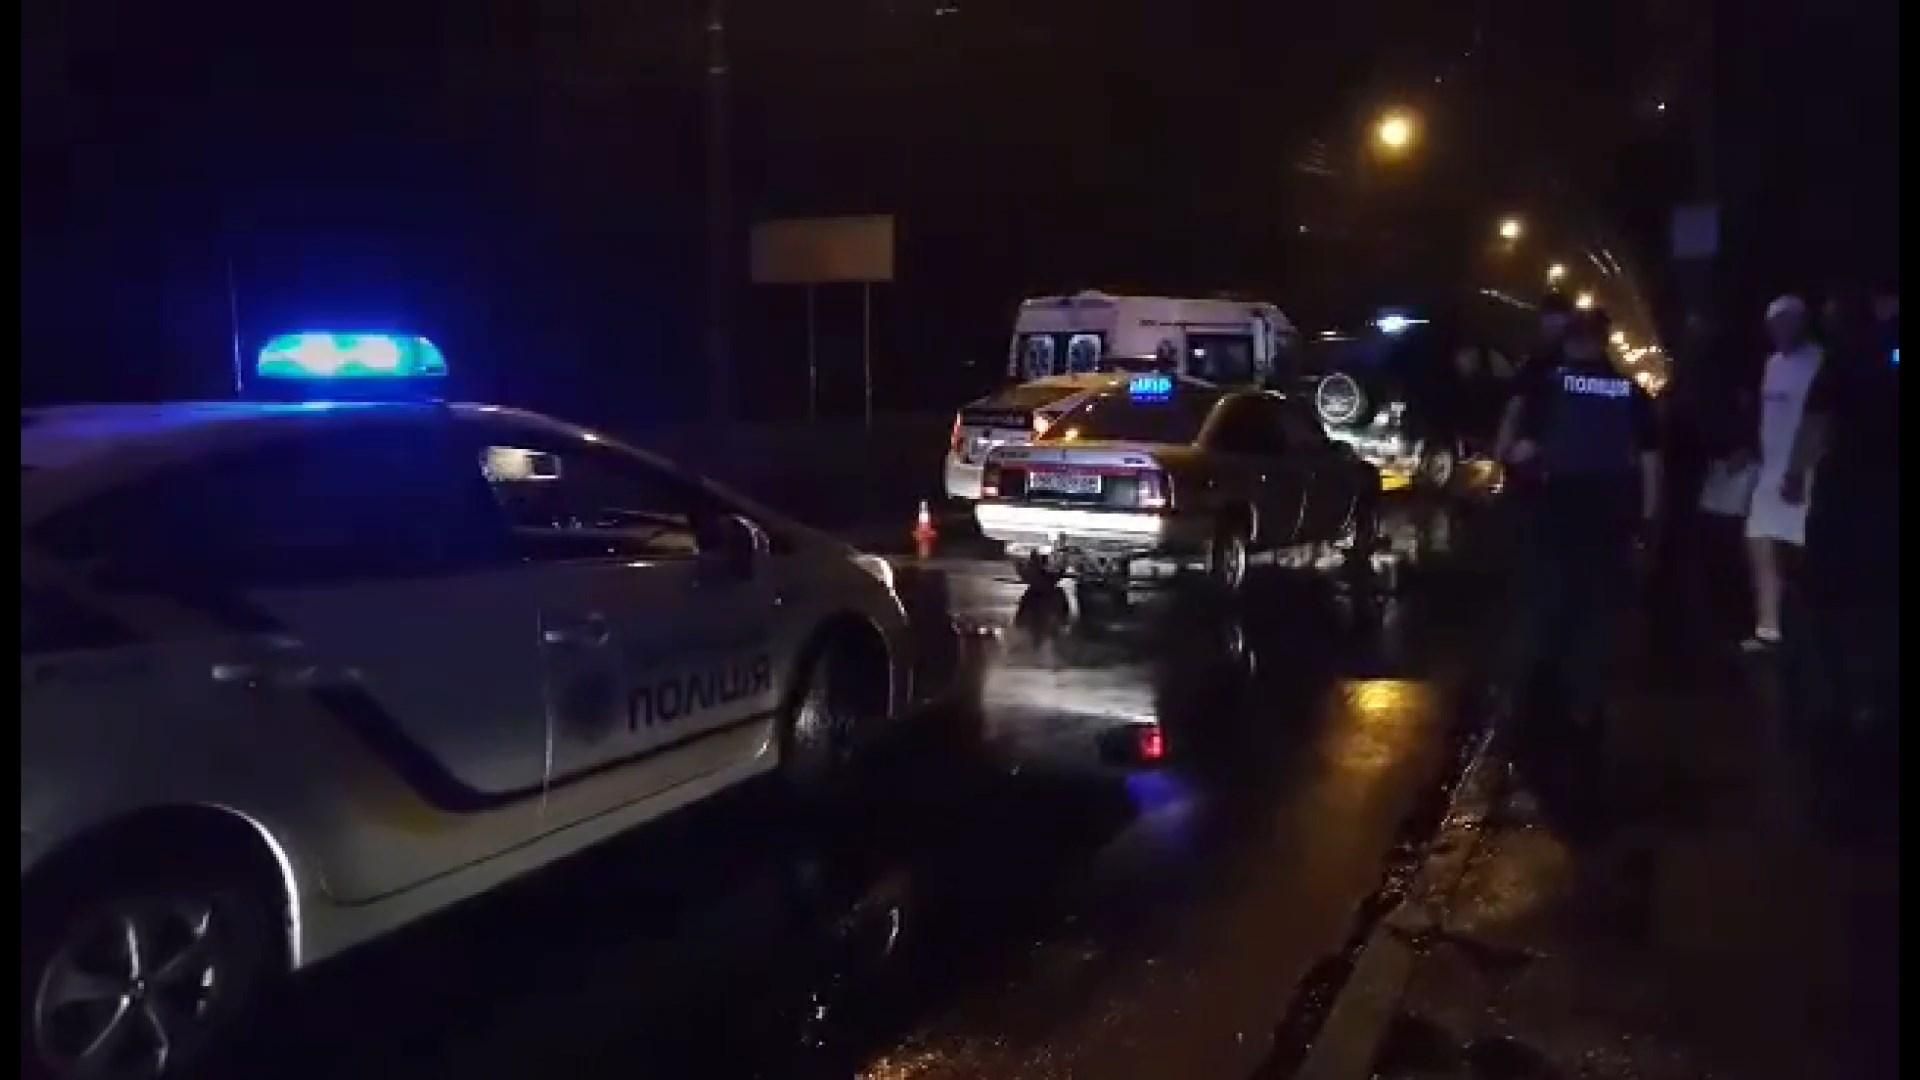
(328, 355)
(1150, 387)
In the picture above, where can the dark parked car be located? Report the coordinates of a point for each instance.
(1412, 397)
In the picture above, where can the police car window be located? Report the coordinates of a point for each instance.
(359, 503)
(51, 621)
(566, 499)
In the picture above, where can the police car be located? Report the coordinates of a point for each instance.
(295, 673)
(1172, 470)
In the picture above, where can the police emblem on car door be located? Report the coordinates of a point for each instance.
(656, 659)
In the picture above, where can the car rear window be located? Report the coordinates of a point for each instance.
(1174, 420)
(1027, 397)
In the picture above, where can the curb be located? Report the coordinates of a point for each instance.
(1349, 1038)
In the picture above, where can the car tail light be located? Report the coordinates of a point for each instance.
(1150, 742)
(1154, 492)
(958, 438)
(990, 482)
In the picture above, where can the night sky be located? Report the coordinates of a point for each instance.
(524, 181)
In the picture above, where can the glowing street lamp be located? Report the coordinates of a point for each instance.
(1395, 132)
(1583, 301)
(1555, 273)
(1510, 229)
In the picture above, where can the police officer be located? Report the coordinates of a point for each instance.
(1555, 312)
(1584, 447)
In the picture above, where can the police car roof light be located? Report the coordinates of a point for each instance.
(328, 355)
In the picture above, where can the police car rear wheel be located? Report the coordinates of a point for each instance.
(147, 978)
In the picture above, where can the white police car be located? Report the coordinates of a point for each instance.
(296, 673)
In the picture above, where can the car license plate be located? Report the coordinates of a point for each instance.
(1065, 483)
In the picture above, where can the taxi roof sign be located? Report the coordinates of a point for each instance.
(1150, 387)
(326, 355)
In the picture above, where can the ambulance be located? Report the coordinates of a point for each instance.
(1066, 347)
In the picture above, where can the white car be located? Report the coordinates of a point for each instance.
(1013, 416)
(295, 674)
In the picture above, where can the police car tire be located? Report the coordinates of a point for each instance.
(247, 956)
(815, 760)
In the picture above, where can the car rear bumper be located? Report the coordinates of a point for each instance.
(1026, 529)
(963, 480)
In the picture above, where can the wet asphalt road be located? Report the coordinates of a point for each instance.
(1010, 897)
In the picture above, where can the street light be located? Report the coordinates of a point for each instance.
(1510, 229)
(1555, 273)
(1583, 301)
(1395, 132)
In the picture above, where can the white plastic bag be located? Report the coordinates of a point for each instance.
(1728, 490)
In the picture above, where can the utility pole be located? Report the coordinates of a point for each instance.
(719, 219)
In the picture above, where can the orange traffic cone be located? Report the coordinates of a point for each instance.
(924, 533)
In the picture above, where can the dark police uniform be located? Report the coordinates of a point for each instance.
(1582, 498)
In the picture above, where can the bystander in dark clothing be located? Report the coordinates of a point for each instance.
(1842, 677)
(1585, 450)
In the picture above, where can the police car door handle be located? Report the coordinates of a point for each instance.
(591, 631)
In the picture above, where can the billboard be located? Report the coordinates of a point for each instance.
(822, 251)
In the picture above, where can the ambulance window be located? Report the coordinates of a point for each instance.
(1083, 353)
(567, 499)
(1220, 358)
(1036, 356)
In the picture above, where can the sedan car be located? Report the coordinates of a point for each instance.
(1167, 471)
(296, 674)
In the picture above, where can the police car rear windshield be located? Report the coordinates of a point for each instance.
(1118, 416)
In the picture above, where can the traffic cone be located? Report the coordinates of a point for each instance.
(924, 533)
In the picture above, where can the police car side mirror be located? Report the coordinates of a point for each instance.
(738, 546)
